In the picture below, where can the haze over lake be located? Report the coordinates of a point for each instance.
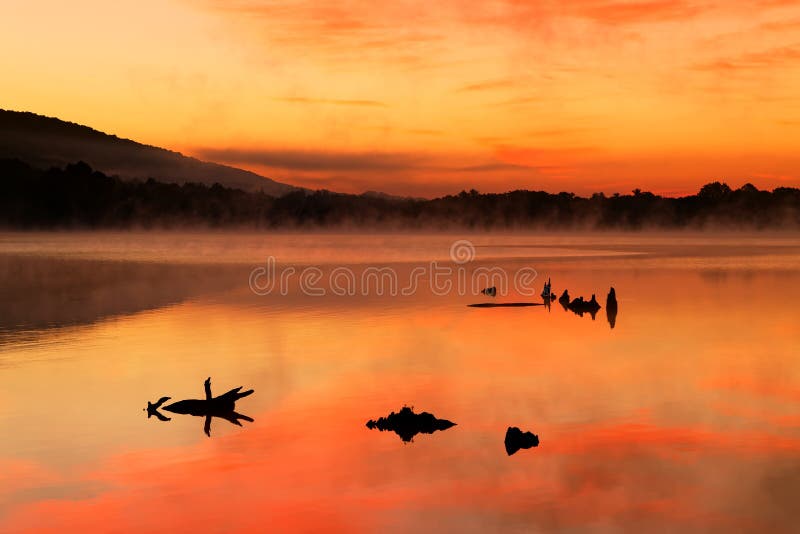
(683, 416)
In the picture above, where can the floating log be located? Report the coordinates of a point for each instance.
(222, 406)
(408, 424)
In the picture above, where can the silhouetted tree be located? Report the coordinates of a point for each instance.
(78, 197)
(714, 190)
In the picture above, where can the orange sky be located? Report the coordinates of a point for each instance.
(428, 98)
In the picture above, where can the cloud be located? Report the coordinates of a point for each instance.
(425, 131)
(753, 60)
(520, 101)
(620, 13)
(527, 15)
(315, 160)
(338, 162)
(498, 166)
(492, 140)
(332, 101)
(489, 85)
(560, 132)
(781, 25)
(541, 156)
(336, 32)
(418, 174)
(416, 35)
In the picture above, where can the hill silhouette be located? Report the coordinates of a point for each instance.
(77, 196)
(44, 142)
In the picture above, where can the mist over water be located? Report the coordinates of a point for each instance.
(681, 416)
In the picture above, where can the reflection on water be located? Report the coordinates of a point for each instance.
(45, 293)
(579, 306)
(612, 307)
(222, 406)
(516, 439)
(683, 417)
(408, 424)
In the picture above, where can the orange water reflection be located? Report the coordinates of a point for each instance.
(683, 416)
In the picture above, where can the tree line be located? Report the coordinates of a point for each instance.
(79, 197)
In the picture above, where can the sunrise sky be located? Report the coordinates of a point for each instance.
(427, 98)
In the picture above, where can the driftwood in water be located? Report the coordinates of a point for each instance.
(408, 424)
(222, 406)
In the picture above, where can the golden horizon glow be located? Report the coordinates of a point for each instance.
(419, 99)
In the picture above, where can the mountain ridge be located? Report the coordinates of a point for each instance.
(45, 142)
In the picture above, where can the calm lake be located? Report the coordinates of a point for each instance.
(683, 416)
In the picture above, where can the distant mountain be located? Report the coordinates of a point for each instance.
(43, 142)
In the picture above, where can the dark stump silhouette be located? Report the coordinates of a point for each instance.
(611, 308)
(579, 306)
(222, 406)
(516, 439)
(408, 424)
(564, 299)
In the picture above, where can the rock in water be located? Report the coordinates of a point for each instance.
(408, 424)
(564, 298)
(611, 299)
(516, 439)
(490, 291)
(611, 308)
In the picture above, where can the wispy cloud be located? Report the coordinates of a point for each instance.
(559, 132)
(495, 166)
(511, 84)
(425, 131)
(331, 101)
(753, 60)
(315, 160)
(520, 101)
(489, 85)
(492, 140)
(353, 32)
(781, 25)
(620, 13)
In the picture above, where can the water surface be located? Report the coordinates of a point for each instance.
(683, 416)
